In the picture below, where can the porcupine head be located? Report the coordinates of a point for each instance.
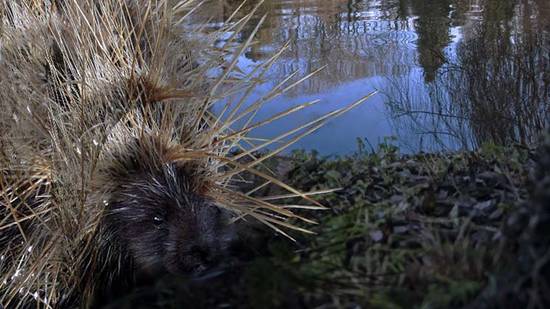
(158, 212)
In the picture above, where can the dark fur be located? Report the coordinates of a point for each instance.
(159, 215)
(165, 228)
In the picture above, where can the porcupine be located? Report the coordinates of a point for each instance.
(111, 161)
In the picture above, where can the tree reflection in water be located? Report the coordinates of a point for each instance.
(454, 73)
(496, 89)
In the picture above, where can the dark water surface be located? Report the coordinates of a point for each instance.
(451, 74)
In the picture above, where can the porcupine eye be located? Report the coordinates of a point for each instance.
(158, 221)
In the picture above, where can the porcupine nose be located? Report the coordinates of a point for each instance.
(204, 255)
(196, 260)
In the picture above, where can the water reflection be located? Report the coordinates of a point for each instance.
(495, 88)
(453, 73)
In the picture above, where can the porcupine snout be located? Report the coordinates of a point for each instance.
(203, 244)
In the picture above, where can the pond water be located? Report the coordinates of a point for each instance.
(450, 74)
